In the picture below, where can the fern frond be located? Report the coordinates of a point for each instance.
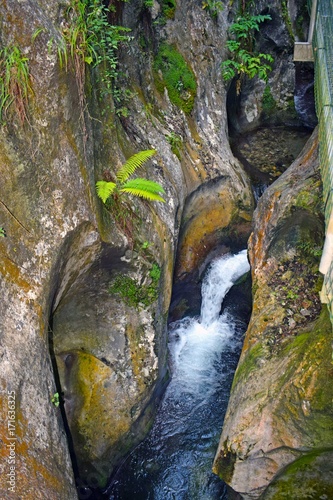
(105, 189)
(144, 184)
(133, 163)
(143, 188)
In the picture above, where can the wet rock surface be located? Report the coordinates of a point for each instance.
(269, 150)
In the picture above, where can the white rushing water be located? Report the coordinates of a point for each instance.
(175, 460)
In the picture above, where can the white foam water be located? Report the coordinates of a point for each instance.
(175, 461)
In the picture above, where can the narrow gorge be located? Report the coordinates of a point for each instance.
(101, 305)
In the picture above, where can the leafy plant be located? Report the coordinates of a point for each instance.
(142, 188)
(2, 232)
(292, 295)
(177, 77)
(213, 6)
(145, 245)
(245, 61)
(121, 97)
(148, 3)
(175, 142)
(15, 84)
(155, 272)
(55, 399)
(87, 38)
(309, 250)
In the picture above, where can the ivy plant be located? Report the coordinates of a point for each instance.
(244, 59)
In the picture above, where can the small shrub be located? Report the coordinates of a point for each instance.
(55, 400)
(155, 272)
(87, 38)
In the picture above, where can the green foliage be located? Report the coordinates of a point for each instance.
(145, 245)
(121, 98)
(55, 399)
(309, 250)
(268, 101)
(134, 294)
(127, 288)
(168, 8)
(155, 272)
(213, 6)
(133, 163)
(286, 18)
(15, 84)
(175, 142)
(105, 189)
(177, 77)
(90, 36)
(142, 188)
(244, 60)
(87, 38)
(2, 232)
(148, 3)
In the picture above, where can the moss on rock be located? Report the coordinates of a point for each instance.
(309, 477)
(174, 73)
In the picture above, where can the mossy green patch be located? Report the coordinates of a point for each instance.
(172, 71)
(168, 8)
(310, 197)
(225, 463)
(132, 292)
(310, 476)
(310, 367)
(248, 364)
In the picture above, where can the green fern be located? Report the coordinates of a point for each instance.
(105, 189)
(133, 163)
(142, 188)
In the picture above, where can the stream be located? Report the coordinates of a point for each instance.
(175, 460)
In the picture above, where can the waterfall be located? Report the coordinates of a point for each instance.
(175, 460)
(218, 280)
